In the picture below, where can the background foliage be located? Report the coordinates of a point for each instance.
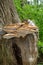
(35, 13)
(32, 12)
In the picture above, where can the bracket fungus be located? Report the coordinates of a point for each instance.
(18, 30)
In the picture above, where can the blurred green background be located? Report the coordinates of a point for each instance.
(33, 9)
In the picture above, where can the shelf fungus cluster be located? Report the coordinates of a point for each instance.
(18, 30)
(24, 39)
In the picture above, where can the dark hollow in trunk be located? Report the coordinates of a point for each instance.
(17, 53)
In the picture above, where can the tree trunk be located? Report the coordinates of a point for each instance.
(8, 13)
(16, 51)
(19, 47)
(19, 51)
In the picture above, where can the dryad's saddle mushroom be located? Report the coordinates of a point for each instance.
(18, 29)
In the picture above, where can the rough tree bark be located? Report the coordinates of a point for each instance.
(8, 13)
